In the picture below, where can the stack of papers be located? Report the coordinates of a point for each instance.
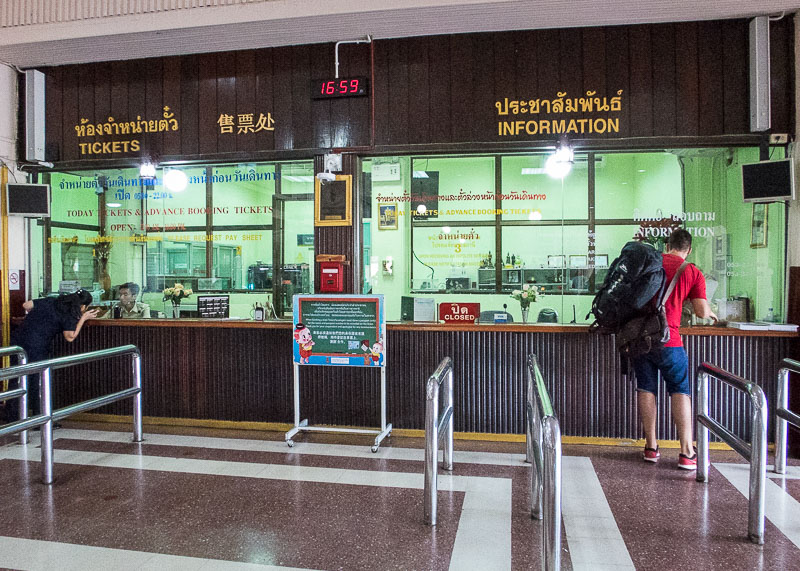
(750, 325)
(762, 326)
(782, 327)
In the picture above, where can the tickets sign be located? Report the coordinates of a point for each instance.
(459, 312)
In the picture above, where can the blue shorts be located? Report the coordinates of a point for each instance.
(674, 366)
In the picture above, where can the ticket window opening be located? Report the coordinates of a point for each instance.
(331, 277)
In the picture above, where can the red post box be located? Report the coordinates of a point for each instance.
(331, 277)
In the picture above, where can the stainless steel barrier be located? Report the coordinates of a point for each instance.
(543, 451)
(754, 451)
(48, 416)
(784, 416)
(437, 426)
(21, 393)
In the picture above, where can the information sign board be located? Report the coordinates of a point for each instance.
(346, 330)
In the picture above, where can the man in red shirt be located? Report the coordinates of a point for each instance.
(671, 360)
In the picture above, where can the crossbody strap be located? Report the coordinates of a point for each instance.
(672, 284)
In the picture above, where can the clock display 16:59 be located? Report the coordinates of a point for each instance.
(340, 87)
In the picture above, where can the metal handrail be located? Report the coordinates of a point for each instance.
(783, 415)
(21, 393)
(754, 451)
(438, 425)
(48, 415)
(543, 451)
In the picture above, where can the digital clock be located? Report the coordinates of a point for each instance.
(340, 87)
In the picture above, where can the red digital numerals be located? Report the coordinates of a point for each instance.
(336, 87)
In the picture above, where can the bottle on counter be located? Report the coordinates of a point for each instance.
(770, 315)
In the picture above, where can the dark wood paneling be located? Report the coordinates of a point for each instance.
(397, 84)
(245, 97)
(641, 78)
(782, 74)
(735, 54)
(677, 80)
(439, 96)
(418, 95)
(284, 127)
(226, 99)
(223, 374)
(686, 63)
(664, 94)
(618, 73)
(710, 70)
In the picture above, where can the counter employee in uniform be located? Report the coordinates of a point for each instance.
(128, 307)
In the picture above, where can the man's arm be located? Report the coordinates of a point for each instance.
(28, 305)
(702, 309)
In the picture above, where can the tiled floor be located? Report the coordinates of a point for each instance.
(204, 499)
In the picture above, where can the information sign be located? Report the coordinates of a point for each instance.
(344, 330)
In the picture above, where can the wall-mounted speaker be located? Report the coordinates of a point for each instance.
(759, 74)
(34, 115)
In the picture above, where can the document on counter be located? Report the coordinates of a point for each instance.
(750, 325)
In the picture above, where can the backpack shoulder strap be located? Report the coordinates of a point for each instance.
(672, 284)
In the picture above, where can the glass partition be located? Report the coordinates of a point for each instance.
(479, 228)
(210, 228)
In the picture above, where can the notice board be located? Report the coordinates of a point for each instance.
(346, 330)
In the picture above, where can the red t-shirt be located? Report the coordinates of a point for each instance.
(691, 285)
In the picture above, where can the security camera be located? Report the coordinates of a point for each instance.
(45, 164)
(326, 176)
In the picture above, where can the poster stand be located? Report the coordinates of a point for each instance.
(303, 426)
(339, 330)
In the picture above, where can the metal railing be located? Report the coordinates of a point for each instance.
(48, 415)
(21, 393)
(754, 451)
(438, 425)
(784, 416)
(543, 451)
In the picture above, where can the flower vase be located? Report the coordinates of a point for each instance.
(524, 315)
(176, 309)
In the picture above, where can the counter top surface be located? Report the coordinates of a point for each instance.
(412, 326)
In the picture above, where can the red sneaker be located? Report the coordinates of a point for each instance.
(687, 463)
(651, 454)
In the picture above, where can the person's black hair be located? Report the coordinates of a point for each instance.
(70, 303)
(130, 286)
(680, 240)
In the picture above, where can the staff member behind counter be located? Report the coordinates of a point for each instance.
(128, 307)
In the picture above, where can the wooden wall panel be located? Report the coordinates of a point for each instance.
(664, 93)
(710, 70)
(641, 81)
(245, 374)
(688, 78)
(207, 96)
(682, 79)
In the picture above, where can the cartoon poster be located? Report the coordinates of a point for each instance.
(346, 330)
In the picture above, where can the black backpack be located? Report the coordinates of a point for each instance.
(630, 301)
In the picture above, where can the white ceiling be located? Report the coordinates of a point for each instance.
(291, 22)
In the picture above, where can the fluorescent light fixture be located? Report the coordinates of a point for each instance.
(420, 174)
(560, 163)
(641, 170)
(422, 209)
(535, 215)
(175, 180)
(446, 229)
(113, 204)
(147, 170)
(533, 170)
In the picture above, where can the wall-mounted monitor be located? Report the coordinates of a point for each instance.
(31, 200)
(768, 181)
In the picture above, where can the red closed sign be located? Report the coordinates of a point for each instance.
(459, 312)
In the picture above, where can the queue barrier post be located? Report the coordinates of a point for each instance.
(784, 416)
(543, 451)
(438, 426)
(21, 393)
(754, 451)
(48, 415)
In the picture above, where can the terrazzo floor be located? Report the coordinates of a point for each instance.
(222, 499)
